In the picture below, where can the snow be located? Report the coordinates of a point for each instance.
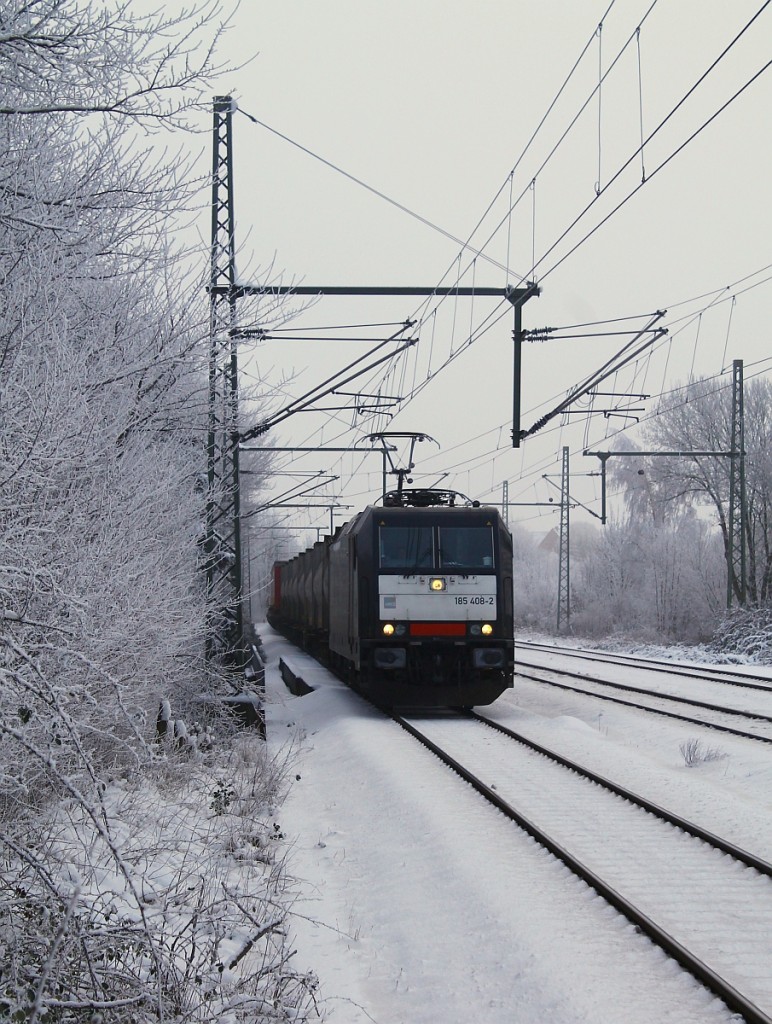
(416, 902)
(182, 872)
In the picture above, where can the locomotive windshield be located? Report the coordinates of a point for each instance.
(416, 548)
(466, 547)
(407, 547)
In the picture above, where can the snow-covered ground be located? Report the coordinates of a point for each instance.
(417, 903)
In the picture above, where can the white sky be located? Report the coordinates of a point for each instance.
(432, 103)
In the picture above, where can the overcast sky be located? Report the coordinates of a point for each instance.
(433, 103)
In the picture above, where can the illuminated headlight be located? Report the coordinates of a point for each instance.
(437, 583)
(487, 629)
(388, 629)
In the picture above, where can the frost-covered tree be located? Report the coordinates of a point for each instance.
(535, 573)
(667, 556)
(699, 418)
(91, 56)
(102, 449)
(657, 570)
(102, 409)
(653, 580)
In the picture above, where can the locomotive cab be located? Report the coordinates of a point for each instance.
(425, 608)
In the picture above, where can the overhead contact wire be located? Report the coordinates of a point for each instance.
(665, 162)
(370, 188)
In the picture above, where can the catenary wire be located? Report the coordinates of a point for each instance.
(552, 268)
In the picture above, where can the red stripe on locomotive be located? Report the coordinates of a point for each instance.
(438, 629)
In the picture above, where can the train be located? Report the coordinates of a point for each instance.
(410, 602)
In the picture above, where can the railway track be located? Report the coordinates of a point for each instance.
(725, 716)
(721, 674)
(707, 903)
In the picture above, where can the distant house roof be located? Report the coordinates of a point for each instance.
(550, 541)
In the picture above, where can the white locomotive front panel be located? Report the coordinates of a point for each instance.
(437, 597)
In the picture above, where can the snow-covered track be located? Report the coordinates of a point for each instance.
(762, 713)
(707, 911)
(718, 673)
(654, 695)
(743, 856)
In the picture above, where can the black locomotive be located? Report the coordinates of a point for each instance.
(409, 602)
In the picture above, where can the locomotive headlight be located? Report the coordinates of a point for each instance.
(487, 629)
(437, 583)
(388, 629)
